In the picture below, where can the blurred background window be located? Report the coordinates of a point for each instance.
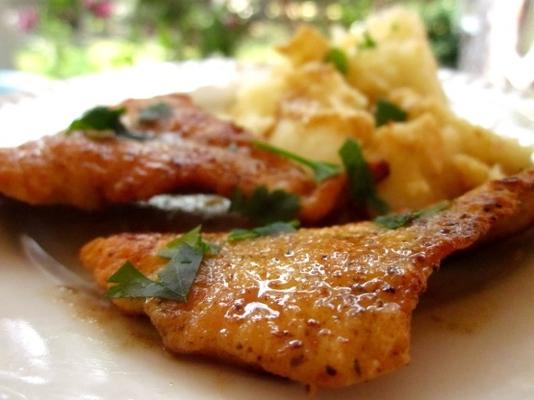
(65, 38)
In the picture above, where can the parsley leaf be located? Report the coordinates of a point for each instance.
(321, 170)
(102, 123)
(133, 284)
(434, 209)
(99, 119)
(192, 239)
(264, 206)
(155, 112)
(338, 57)
(276, 228)
(394, 221)
(180, 272)
(185, 255)
(387, 111)
(360, 178)
(368, 42)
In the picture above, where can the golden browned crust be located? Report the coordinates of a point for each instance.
(186, 120)
(89, 174)
(328, 307)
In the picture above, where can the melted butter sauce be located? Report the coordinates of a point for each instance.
(92, 308)
(123, 333)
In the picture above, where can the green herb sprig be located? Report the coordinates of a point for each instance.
(192, 239)
(387, 111)
(368, 42)
(103, 123)
(155, 112)
(100, 119)
(185, 255)
(276, 228)
(361, 183)
(321, 170)
(338, 58)
(130, 283)
(395, 221)
(264, 206)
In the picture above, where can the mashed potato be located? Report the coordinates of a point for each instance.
(307, 106)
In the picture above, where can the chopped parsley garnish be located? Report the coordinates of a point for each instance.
(99, 119)
(102, 123)
(368, 42)
(175, 278)
(338, 57)
(394, 221)
(276, 228)
(155, 112)
(361, 183)
(387, 111)
(192, 239)
(132, 283)
(321, 170)
(264, 206)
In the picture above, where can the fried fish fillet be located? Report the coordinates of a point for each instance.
(328, 307)
(189, 151)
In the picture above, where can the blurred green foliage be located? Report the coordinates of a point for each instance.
(72, 37)
(440, 19)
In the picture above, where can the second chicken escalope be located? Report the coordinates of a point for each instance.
(166, 145)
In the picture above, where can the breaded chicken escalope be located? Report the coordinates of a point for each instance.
(189, 151)
(327, 307)
(90, 174)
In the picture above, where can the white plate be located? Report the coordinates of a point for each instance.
(473, 333)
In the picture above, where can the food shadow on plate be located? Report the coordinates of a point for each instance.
(478, 269)
(62, 231)
(468, 292)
